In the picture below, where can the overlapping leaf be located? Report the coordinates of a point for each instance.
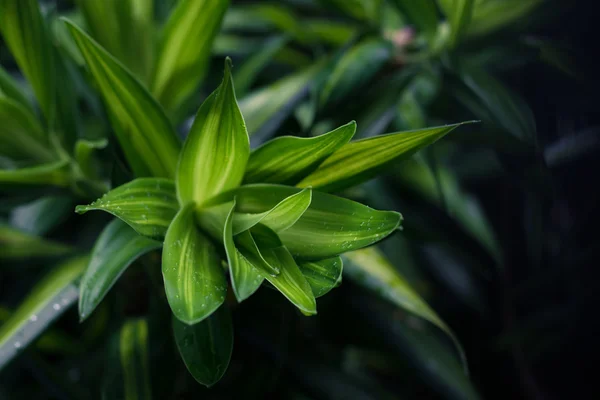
(116, 248)
(147, 204)
(322, 275)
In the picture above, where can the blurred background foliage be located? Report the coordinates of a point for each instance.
(498, 233)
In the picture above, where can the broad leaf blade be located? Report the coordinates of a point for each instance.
(216, 150)
(146, 204)
(116, 248)
(322, 275)
(184, 50)
(44, 303)
(245, 278)
(25, 33)
(361, 160)
(144, 132)
(206, 347)
(135, 366)
(194, 282)
(370, 268)
(288, 159)
(248, 248)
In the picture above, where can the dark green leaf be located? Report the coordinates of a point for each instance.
(459, 14)
(491, 15)
(216, 150)
(361, 160)
(55, 174)
(135, 365)
(194, 281)
(116, 248)
(19, 245)
(184, 50)
(206, 347)
(422, 13)
(11, 89)
(288, 159)
(144, 132)
(147, 204)
(40, 216)
(322, 275)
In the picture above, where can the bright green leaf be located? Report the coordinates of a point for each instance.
(288, 159)
(184, 50)
(116, 248)
(194, 282)
(370, 268)
(216, 150)
(135, 365)
(146, 204)
(245, 278)
(206, 347)
(248, 248)
(459, 14)
(24, 31)
(361, 160)
(18, 245)
(322, 275)
(144, 132)
(48, 299)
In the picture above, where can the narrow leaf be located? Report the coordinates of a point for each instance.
(42, 215)
(288, 159)
(323, 275)
(25, 34)
(146, 204)
(245, 278)
(492, 15)
(55, 174)
(184, 50)
(116, 248)
(194, 282)
(45, 302)
(459, 14)
(330, 226)
(18, 245)
(361, 160)
(216, 150)
(133, 352)
(422, 13)
(11, 89)
(370, 268)
(144, 132)
(248, 247)
(206, 347)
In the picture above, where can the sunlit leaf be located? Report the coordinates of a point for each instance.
(48, 299)
(206, 347)
(116, 248)
(144, 132)
(18, 245)
(147, 204)
(361, 160)
(135, 364)
(322, 275)
(24, 31)
(184, 50)
(288, 159)
(194, 282)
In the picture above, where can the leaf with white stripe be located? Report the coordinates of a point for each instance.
(216, 150)
(146, 204)
(322, 275)
(194, 281)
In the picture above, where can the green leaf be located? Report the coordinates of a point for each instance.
(361, 160)
(330, 226)
(459, 14)
(21, 135)
(279, 218)
(249, 249)
(322, 275)
(25, 34)
(255, 63)
(194, 282)
(290, 281)
(354, 69)
(42, 215)
(266, 108)
(116, 248)
(125, 29)
(146, 204)
(184, 50)
(18, 245)
(288, 159)
(135, 365)
(422, 13)
(11, 89)
(144, 132)
(492, 15)
(48, 299)
(371, 269)
(55, 174)
(245, 278)
(216, 150)
(84, 155)
(206, 347)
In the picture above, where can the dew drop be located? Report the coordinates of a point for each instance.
(33, 318)
(17, 345)
(56, 306)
